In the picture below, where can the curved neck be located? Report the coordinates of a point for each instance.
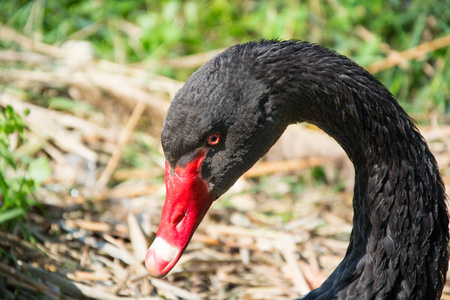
(399, 242)
(398, 246)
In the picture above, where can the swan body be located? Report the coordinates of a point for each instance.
(234, 108)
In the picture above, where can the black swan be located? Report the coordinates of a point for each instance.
(233, 109)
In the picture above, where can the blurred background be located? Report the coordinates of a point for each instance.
(84, 87)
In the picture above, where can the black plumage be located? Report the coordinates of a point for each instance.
(251, 92)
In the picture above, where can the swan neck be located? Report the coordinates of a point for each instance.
(400, 216)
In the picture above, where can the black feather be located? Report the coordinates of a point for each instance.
(251, 92)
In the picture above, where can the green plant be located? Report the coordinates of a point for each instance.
(17, 187)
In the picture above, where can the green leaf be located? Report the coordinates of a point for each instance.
(4, 191)
(11, 214)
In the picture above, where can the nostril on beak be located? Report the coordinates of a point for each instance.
(179, 219)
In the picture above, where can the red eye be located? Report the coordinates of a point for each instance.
(213, 139)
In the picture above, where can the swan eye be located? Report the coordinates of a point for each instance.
(213, 139)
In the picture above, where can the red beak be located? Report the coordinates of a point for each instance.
(187, 201)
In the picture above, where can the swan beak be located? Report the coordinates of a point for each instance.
(187, 201)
